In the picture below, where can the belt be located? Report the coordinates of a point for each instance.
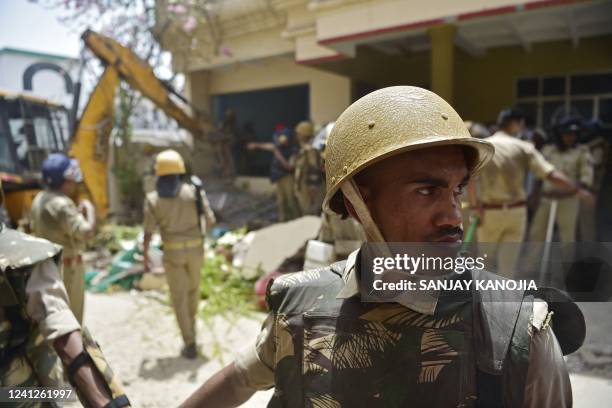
(74, 260)
(504, 206)
(192, 243)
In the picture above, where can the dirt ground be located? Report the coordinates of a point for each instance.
(139, 336)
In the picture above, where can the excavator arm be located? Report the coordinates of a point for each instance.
(90, 141)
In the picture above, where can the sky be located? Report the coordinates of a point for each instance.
(32, 27)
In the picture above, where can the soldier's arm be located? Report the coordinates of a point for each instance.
(73, 222)
(86, 379)
(237, 382)
(209, 215)
(548, 383)
(149, 225)
(560, 180)
(223, 389)
(47, 304)
(543, 169)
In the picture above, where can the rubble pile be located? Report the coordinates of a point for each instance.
(236, 208)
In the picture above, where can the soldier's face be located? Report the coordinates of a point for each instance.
(568, 138)
(70, 188)
(415, 196)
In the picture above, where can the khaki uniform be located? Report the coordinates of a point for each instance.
(502, 183)
(309, 184)
(35, 262)
(588, 213)
(322, 346)
(346, 235)
(55, 217)
(576, 164)
(177, 219)
(288, 206)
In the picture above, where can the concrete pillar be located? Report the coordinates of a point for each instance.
(197, 91)
(330, 95)
(442, 60)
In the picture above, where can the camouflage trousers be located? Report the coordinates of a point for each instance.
(183, 268)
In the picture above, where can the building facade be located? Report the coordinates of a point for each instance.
(481, 56)
(43, 75)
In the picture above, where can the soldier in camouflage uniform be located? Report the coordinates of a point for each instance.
(323, 346)
(38, 332)
(56, 217)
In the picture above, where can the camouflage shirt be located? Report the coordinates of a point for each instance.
(319, 349)
(34, 310)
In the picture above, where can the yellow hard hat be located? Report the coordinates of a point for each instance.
(169, 162)
(391, 121)
(304, 130)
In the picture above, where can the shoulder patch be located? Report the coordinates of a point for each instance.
(540, 319)
(565, 318)
(18, 250)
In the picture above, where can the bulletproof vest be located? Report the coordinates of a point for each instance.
(19, 253)
(344, 352)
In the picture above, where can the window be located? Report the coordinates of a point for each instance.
(7, 163)
(544, 98)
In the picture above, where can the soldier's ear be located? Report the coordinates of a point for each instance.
(350, 209)
(366, 195)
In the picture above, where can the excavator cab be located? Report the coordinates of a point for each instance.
(30, 129)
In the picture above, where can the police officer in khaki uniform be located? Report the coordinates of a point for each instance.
(598, 148)
(575, 161)
(282, 169)
(397, 160)
(37, 326)
(309, 184)
(56, 217)
(500, 203)
(183, 214)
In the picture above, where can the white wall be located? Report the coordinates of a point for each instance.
(46, 84)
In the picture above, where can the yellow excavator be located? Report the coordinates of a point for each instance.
(31, 128)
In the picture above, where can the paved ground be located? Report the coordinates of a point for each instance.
(139, 336)
(591, 366)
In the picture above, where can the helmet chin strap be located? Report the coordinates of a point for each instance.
(352, 193)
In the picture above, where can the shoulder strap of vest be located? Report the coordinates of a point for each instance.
(501, 324)
(495, 313)
(276, 292)
(491, 391)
